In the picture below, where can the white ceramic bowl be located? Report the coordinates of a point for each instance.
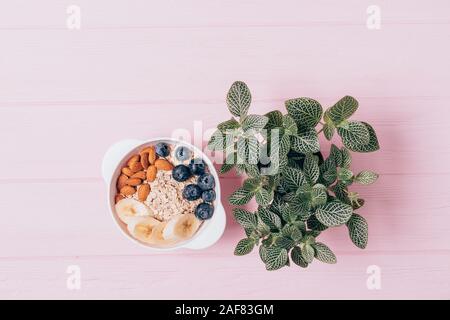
(116, 157)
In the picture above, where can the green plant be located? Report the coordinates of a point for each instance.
(299, 193)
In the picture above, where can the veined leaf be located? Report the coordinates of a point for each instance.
(275, 119)
(336, 155)
(292, 232)
(345, 174)
(343, 109)
(284, 242)
(334, 213)
(373, 144)
(245, 218)
(318, 196)
(358, 230)
(306, 142)
(253, 121)
(226, 167)
(366, 177)
(357, 134)
(328, 131)
(323, 253)
(240, 197)
(244, 246)
(217, 142)
(305, 111)
(290, 127)
(251, 184)
(297, 258)
(311, 168)
(346, 158)
(263, 253)
(294, 178)
(239, 99)
(228, 125)
(263, 197)
(276, 258)
(315, 224)
(271, 219)
(307, 252)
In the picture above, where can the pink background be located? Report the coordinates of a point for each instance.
(139, 69)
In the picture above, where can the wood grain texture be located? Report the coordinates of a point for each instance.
(139, 69)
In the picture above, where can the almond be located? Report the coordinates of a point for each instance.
(136, 166)
(144, 161)
(152, 155)
(134, 182)
(121, 181)
(119, 197)
(127, 171)
(143, 191)
(151, 173)
(127, 191)
(134, 159)
(163, 164)
(139, 175)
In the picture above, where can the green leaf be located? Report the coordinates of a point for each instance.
(358, 230)
(366, 177)
(293, 178)
(252, 184)
(336, 155)
(275, 119)
(290, 127)
(343, 109)
(341, 192)
(228, 125)
(284, 242)
(305, 111)
(244, 246)
(245, 218)
(334, 213)
(315, 224)
(240, 197)
(328, 131)
(307, 252)
(311, 168)
(285, 145)
(253, 121)
(271, 219)
(292, 232)
(373, 144)
(306, 142)
(318, 195)
(345, 174)
(217, 142)
(346, 158)
(356, 135)
(330, 176)
(323, 253)
(263, 197)
(226, 167)
(239, 99)
(263, 253)
(297, 258)
(276, 258)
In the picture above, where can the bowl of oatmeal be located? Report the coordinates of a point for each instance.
(164, 194)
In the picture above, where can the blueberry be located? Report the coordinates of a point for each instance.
(181, 173)
(206, 181)
(197, 166)
(162, 149)
(209, 195)
(182, 153)
(204, 211)
(192, 192)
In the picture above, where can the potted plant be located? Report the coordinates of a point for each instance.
(299, 193)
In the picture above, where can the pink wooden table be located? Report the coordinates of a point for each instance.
(139, 69)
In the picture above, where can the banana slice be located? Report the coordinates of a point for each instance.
(181, 227)
(129, 208)
(144, 228)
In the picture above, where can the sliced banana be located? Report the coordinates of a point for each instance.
(181, 227)
(144, 229)
(129, 208)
